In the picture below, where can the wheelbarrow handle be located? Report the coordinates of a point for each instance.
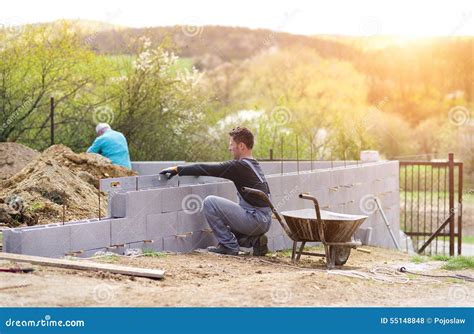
(264, 197)
(256, 192)
(315, 201)
(318, 215)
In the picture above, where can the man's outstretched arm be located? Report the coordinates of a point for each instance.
(225, 170)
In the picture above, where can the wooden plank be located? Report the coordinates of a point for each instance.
(84, 265)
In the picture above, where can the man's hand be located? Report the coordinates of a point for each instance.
(170, 171)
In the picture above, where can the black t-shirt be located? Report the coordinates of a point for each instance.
(237, 171)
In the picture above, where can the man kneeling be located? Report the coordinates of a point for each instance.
(234, 225)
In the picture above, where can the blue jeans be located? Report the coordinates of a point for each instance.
(236, 224)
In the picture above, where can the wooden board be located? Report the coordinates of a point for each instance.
(84, 265)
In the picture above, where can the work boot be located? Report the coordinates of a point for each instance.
(261, 246)
(220, 249)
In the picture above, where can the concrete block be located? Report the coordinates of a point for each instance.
(189, 180)
(349, 175)
(12, 241)
(143, 202)
(118, 184)
(288, 243)
(50, 241)
(367, 173)
(153, 167)
(203, 239)
(270, 244)
(227, 190)
(313, 244)
(283, 202)
(337, 177)
(278, 243)
(322, 195)
(118, 205)
(90, 235)
(178, 244)
(270, 167)
(152, 181)
(174, 198)
(344, 194)
(211, 179)
(305, 180)
(203, 190)
(156, 245)
(274, 183)
(290, 184)
(275, 229)
(161, 225)
(190, 221)
(137, 245)
(391, 183)
(382, 170)
(74, 222)
(364, 235)
(127, 230)
(322, 179)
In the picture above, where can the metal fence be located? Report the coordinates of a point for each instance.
(431, 205)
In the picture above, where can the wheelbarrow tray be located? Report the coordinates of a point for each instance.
(333, 230)
(338, 227)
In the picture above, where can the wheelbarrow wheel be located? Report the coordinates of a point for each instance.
(342, 255)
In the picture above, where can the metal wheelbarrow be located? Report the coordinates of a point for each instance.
(333, 230)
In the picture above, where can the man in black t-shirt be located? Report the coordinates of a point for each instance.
(243, 224)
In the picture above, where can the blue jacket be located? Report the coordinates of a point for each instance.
(113, 145)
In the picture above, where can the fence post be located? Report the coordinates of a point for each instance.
(460, 190)
(281, 154)
(451, 203)
(52, 120)
(297, 156)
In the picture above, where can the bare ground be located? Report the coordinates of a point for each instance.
(200, 279)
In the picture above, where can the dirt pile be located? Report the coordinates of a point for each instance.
(13, 157)
(55, 179)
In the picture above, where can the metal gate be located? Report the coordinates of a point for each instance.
(431, 205)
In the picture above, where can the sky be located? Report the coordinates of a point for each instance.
(308, 17)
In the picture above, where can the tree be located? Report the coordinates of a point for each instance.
(44, 61)
(160, 107)
(303, 94)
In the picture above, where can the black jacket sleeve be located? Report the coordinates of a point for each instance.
(226, 170)
(236, 171)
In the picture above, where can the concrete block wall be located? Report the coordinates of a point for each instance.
(163, 216)
(268, 167)
(152, 167)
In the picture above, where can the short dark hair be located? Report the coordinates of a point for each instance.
(242, 135)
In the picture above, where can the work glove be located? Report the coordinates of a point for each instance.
(170, 171)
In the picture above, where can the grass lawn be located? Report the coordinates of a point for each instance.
(452, 263)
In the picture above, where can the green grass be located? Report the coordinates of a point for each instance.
(152, 253)
(459, 263)
(466, 199)
(468, 239)
(110, 258)
(452, 263)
